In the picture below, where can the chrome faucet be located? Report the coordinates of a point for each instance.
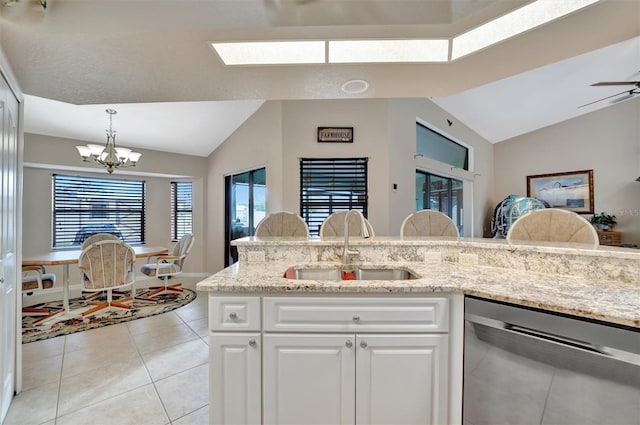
(364, 231)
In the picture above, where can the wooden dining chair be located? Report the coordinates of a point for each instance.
(107, 265)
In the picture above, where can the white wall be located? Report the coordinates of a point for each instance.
(607, 141)
(257, 143)
(301, 119)
(281, 132)
(58, 153)
(403, 114)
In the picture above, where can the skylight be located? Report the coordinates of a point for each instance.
(271, 52)
(363, 51)
(514, 23)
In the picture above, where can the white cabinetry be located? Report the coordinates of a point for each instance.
(235, 359)
(309, 379)
(236, 378)
(355, 378)
(330, 360)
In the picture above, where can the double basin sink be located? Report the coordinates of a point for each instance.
(339, 273)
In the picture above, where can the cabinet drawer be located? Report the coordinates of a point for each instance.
(234, 313)
(356, 314)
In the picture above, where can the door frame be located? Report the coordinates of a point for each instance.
(7, 74)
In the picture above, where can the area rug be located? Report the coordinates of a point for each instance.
(70, 323)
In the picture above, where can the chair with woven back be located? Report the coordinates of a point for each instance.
(34, 280)
(333, 225)
(97, 237)
(428, 223)
(282, 223)
(553, 225)
(167, 266)
(107, 265)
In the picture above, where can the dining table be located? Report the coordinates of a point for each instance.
(66, 257)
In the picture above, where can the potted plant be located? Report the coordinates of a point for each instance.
(602, 221)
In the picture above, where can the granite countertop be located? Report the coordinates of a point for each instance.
(610, 301)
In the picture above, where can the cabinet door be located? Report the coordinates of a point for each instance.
(309, 379)
(235, 378)
(401, 379)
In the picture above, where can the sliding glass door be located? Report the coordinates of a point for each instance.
(245, 196)
(444, 194)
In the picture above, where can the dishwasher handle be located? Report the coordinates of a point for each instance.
(614, 353)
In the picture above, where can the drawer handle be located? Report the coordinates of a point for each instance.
(356, 319)
(252, 343)
(348, 344)
(233, 316)
(363, 344)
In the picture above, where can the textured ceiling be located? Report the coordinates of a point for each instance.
(104, 52)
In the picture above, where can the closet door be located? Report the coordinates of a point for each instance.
(8, 243)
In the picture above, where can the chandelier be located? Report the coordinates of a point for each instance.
(109, 155)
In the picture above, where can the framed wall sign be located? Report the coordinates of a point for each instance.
(571, 190)
(335, 134)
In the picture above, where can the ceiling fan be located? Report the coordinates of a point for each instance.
(627, 93)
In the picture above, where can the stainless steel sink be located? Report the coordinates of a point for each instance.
(349, 273)
(318, 274)
(383, 274)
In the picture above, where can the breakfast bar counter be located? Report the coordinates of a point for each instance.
(601, 284)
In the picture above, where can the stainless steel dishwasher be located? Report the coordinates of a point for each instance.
(529, 366)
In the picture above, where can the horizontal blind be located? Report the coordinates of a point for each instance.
(330, 185)
(83, 206)
(182, 209)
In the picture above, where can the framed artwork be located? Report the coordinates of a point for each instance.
(571, 190)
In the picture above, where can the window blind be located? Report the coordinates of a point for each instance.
(83, 206)
(330, 185)
(182, 209)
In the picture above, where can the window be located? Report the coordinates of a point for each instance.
(434, 145)
(440, 193)
(330, 185)
(181, 209)
(83, 206)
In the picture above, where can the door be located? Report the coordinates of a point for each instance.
(235, 378)
(401, 379)
(309, 379)
(245, 205)
(8, 243)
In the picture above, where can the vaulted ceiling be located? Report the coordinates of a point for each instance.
(89, 54)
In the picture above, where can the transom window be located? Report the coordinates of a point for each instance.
(181, 209)
(436, 146)
(83, 206)
(330, 185)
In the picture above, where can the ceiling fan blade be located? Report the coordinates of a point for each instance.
(617, 83)
(604, 98)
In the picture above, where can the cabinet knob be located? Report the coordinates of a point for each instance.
(252, 343)
(348, 344)
(363, 344)
(356, 319)
(233, 315)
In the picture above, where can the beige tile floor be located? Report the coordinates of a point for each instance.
(147, 371)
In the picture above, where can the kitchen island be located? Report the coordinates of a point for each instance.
(278, 342)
